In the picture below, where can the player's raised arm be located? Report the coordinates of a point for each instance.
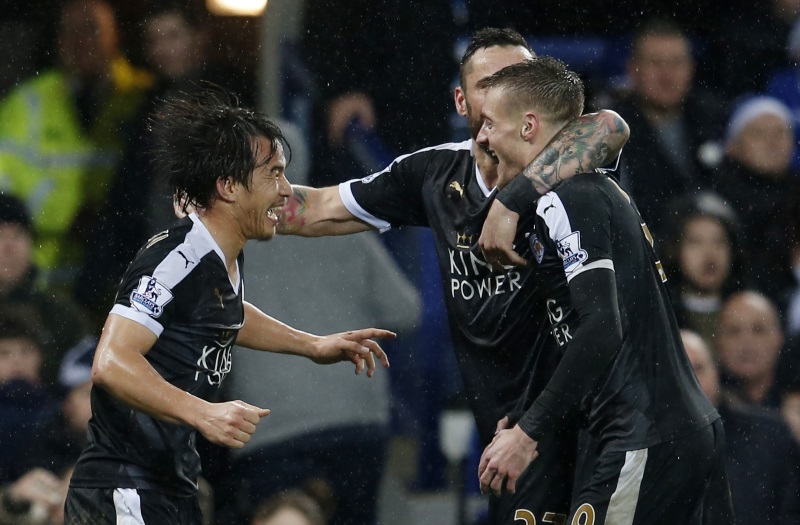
(262, 332)
(591, 141)
(317, 212)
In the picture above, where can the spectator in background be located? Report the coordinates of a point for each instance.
(292, 507)
(703, 260)
(757, 179)
(671, 119)
(784, 84)
(36, 498)
(62, 323)
(139, 202)
(341, 436)
(748, 344)
(23, 397)
(60, 134)
(747, 44)
(353, 48)
(763, 461)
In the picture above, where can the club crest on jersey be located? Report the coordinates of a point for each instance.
(569, 248)
(537, 247)
(150, 296)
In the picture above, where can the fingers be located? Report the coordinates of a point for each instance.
(501, 425)
(368, 333)
(376, 349)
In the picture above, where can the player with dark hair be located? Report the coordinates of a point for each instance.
(656, 441)
(166, 345)
(501, 336)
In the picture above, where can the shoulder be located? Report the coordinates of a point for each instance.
(173, 253)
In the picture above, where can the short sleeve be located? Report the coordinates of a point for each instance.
(579, 227)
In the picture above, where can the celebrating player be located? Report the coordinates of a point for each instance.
(166, 345)
(501, 336)
(656, 440)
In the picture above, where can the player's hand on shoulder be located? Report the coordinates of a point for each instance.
(497, 237)
(356, 346)
(230, 424)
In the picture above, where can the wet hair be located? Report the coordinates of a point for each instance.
(206, 136)
(543, 82)
(489, 37)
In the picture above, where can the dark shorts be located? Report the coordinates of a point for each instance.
(130, 506)
(542, 492)
(679, 481)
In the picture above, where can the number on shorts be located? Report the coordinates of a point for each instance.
(584, 515)
(549, 517)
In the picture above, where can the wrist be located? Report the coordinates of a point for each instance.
(519, 196)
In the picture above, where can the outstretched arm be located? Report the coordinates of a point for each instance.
(313, 212)
(591, 141)
(262, 332)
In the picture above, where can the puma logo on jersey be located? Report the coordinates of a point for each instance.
(457, 186)
(218, 295)
(548, 208)
(188, 262)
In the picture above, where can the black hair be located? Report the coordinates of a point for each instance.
(21, 321)
(206, 136)
(490, 37)
(660, 27)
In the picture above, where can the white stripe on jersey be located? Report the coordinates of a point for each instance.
(174, 268)
(622, 505)
(128, 507)
(600, 263)
(346, 193)
(551, 209)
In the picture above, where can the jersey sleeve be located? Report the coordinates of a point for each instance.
(147, 291)
(392, 197)
(580, 230)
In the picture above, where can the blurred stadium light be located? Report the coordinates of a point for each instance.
(236, 7)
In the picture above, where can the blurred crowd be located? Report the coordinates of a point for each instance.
(712, 98)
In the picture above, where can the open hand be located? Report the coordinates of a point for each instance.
(356, 346)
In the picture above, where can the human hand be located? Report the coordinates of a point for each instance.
(343, 110)
(501, 425)
(505, 459)
(37, 487)
(356, 346)
(497, 237)
(230, 424)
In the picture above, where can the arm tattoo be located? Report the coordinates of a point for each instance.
(588, 142)
(291, 215)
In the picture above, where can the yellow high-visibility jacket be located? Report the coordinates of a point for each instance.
(52, 163)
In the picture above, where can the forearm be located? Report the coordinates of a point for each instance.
(129, 377)
(312, 212)
(591, 141)
(265, 333)
(592, 349)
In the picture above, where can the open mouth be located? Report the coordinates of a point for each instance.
(272, 213)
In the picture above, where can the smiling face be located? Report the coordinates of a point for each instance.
(502, 135)
(483, 64)
(267, 193)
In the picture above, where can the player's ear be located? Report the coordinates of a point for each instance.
(461, 101)
(530, 123)
(226, 189)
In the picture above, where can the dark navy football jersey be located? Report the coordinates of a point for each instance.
(499, 320)
(178, 287)
(649, 394)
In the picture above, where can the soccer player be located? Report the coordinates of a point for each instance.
(166, 345)
(502, 337)
(656, 440)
